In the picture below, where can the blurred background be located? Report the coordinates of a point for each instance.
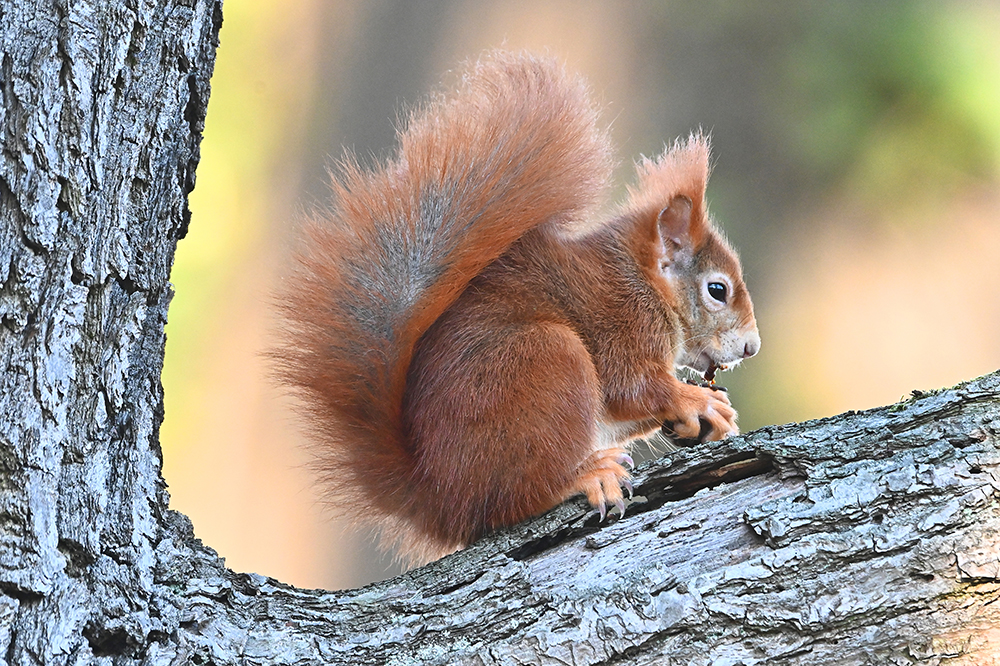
(857, 150)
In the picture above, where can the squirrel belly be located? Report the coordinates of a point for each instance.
(472, 345)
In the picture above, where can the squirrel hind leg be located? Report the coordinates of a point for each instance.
(501, 438)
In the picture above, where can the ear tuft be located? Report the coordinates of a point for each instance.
(680, 172)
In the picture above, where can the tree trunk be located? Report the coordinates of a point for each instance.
(103, 103)
(867, 538)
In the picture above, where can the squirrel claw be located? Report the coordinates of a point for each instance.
(602, 476)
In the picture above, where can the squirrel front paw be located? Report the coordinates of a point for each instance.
(601, 478)
(703, 414)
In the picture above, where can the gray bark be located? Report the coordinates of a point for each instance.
(867, 538)
(103, 103)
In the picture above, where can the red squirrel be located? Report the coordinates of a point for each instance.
(473, 344)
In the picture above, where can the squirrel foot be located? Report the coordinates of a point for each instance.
(601, 478)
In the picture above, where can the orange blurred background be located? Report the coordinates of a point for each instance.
(857, 150)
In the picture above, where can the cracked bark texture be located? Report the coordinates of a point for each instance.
(103, 103)
(867, 538)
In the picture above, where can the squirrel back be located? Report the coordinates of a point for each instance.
(515, 147)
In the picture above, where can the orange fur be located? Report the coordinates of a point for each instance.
(463, 335)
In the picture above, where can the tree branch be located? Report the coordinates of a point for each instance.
(863, 538)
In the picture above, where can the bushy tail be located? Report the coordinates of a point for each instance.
(516, 146)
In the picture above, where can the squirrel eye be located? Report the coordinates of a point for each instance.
(717, 290)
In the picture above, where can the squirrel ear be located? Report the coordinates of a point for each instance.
(674, 226)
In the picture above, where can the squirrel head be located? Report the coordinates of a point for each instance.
(689, 262)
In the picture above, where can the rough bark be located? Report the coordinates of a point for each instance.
(103, 103)
(867, 538)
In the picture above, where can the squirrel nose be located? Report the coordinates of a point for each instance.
(752, 345)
